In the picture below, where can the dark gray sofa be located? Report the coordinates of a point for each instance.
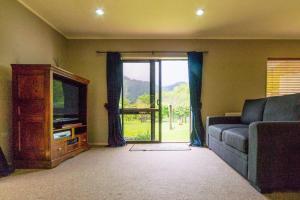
(263, 145)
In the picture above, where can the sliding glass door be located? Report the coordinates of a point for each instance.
(141, 102)
(175, 101)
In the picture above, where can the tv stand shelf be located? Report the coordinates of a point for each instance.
(38, 140)
(66, 128)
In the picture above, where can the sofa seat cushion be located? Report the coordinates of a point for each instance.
(237, 138)
(217, 129)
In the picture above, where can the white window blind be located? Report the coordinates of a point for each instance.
(283, 77)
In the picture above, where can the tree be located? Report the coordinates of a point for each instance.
(126, 103)
(143, 101)
(179, 98)
(165, 111)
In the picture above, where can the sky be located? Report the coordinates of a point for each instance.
(172, 72)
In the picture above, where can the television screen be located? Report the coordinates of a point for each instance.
(65, 99)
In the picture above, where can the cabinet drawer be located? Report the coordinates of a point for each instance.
(72, 147)
(58, 150)
(83, 139)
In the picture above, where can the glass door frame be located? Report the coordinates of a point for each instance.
(152, 110)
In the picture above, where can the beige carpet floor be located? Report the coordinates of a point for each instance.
(161, 147)
(117, 174)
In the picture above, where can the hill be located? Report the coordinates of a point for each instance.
(135, 88)
(171, 87)
(171, 94)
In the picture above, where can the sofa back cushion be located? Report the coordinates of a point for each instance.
(283, 108)
(253, 110)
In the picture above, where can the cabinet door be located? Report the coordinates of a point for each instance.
(31, 118)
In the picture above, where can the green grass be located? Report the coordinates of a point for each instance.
(179, 133)
(141, 131)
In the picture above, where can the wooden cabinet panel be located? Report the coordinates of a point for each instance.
(31, 86)
(83, 138)
(34, 107)
(72, 147)
(33, 146)
(33, 140)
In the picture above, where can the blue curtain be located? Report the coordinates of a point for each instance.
(4, 168)
(195, 65)
(114, 76)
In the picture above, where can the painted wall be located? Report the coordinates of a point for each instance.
(24, 38)
(234, 70)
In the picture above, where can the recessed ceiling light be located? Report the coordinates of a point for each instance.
(200, 12)
(100, 11)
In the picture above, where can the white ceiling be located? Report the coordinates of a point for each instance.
(151, 19)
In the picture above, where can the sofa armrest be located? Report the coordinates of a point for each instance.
(211, 120)
(274, 155)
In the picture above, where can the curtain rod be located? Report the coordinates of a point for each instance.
(153, 52)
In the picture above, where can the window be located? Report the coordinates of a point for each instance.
(283, 77)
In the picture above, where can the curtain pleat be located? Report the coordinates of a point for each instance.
(4, 168)
(195, 65)
(114, 87)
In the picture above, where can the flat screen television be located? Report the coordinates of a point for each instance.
(66, 108)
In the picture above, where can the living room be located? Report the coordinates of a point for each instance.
(238, 42)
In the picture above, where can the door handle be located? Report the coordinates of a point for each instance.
(157, 102)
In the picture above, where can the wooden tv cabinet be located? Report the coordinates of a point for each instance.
(34, 145)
